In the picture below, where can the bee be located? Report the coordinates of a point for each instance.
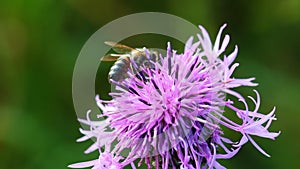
(124, 60)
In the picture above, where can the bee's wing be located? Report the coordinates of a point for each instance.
(113, 57)
(119, 48)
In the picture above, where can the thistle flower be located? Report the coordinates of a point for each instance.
(171, 114)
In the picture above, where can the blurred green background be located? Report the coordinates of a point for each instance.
(41, 39)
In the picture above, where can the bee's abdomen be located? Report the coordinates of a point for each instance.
(119, 70)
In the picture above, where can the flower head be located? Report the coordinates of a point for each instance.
(171, 114)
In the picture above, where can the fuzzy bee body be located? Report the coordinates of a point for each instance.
(125, 60)
(119, 70)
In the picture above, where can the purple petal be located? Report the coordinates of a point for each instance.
(83, 164)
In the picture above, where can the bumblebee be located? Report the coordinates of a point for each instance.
(127, 59)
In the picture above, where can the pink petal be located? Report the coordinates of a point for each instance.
(83, 164)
